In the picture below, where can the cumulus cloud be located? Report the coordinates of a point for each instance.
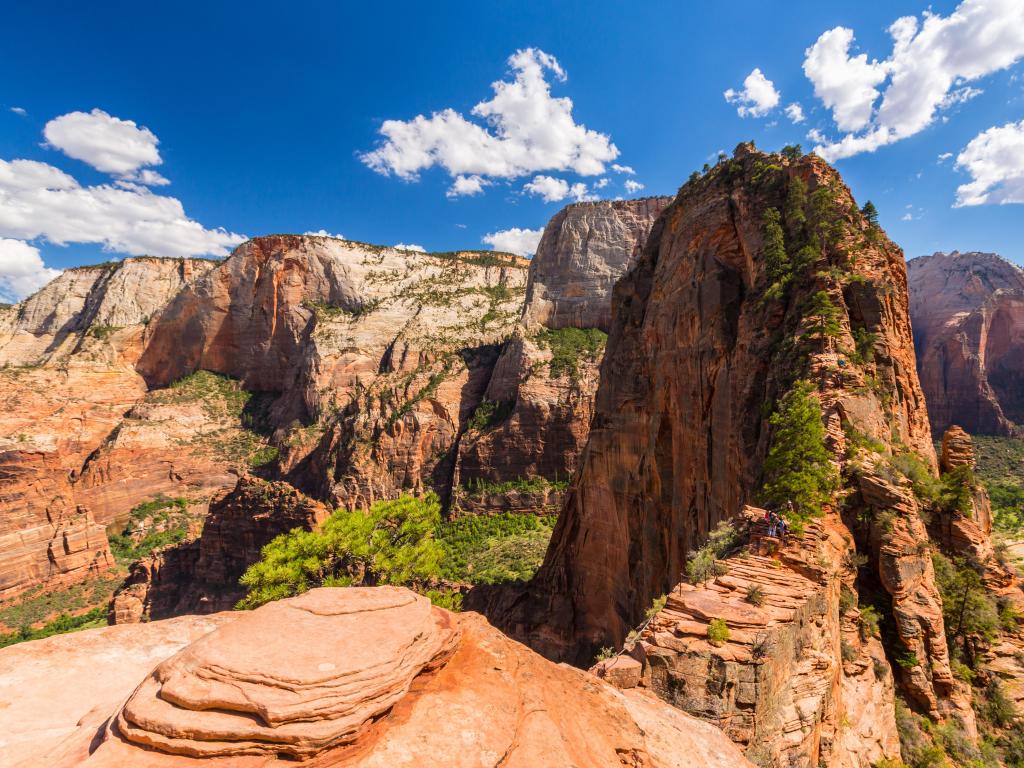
(38, 200)
(633, 186)
(19, 111)
(523, 242)
(995, 161)
(623, 169)
(325, 233)
(795, 113)
(521, 130)
(22, 271)
(467, 185)
(600, 184)
(928, 70)
(945, 156)
(757, 98)
(552, 190)
(107, 143)
(410, 247)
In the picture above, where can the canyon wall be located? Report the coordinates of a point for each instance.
(968, 316)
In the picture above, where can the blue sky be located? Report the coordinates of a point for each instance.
(263, 114)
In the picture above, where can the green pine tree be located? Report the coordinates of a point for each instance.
(798, 466)
(870, 213)
(796, 204)
(776, 261)
(824, 318)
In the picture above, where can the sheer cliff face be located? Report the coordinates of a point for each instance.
(968, 315)
(699, 352)
(67, 383)
(585, 249)
(545, 410)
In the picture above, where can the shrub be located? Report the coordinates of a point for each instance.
(656, 607)
(870, 620)
(925, 485)
(489, 414)
(798, 467)
(570, 345)
(718, 632)
(604, 654)
(491, 549)
(847, 651)
(777, 266)
(702, 564)
(392, 543)
(823, 316)
(755, 595)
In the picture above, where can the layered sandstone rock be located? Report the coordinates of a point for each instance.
(795, 680)
(544, 413)
(583, 252)
(968, 315)
(202, 576)
(380, 679)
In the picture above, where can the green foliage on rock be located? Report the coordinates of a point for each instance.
(491, 549)
(823, 317)
(391, 543)
(776, 262)
(798, 467)
(152, 525)
(702, 563)
(1000, 468)
(97, 617)
(718, 632)
(569, 346)
(489, 414)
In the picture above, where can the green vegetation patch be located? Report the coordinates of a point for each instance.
(569, 346)
(492, 549)
(534, 484)
(42, 604)
(152, 525)
(97, 617)
(489, 414)
(400, 542)
(1000, 468)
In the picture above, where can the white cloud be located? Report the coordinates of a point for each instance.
(928, 70)
(22, 271)
(552, 190)
(600, 184)
(633, 186)
(325, 233)
(907, 217)
(815, 135)
(757, 98)
(19, 111)
(945, 156)
(523, 242)
(795, 113)
(467, 185)
(410, 247)
(525, 129)
(845, 84)
(623, 169)
(995, 161)
(38, 200)
(107, 143)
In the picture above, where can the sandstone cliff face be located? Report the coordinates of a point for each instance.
(201, 576)
(543, 410)
(968, 315)
(698, 346)
(434, 689)
(67, 384)
(583, 252)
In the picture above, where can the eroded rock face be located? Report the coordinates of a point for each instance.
(202, 576)
(968, 315)
(544, 414)
(583, 252)
(380, 679)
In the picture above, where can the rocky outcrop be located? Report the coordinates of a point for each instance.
(794, 680)
(968, 315)
(201, 576)
(583, 252)
(540, 408)
(380, 679)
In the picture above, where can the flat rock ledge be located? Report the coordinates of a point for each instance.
(262, 684)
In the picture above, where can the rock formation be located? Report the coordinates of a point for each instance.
(968, 315)
(380, 679)
(202, 576)
(701, 342)
(67, 383)
(540, 407)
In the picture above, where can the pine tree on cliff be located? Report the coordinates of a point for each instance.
(824, 318)
(797, 467)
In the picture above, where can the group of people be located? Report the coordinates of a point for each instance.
(777, 524)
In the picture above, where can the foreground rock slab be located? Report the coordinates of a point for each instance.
(359, 677)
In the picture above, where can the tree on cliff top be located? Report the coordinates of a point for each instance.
(798, 466)
(391, 543)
